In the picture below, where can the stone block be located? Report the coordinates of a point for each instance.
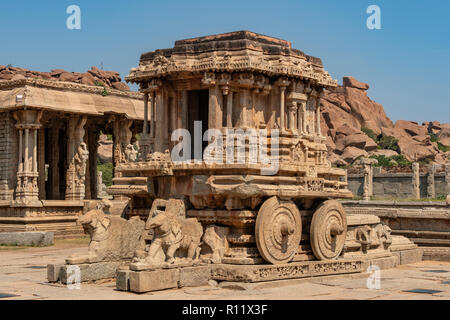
(194, 276)
(123, 280)
(411, 256)
(145, 281)
(27, 238)
(92, 271)
(53, 272)
(385, 262)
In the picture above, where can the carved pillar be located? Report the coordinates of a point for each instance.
(215, 112)
(416, 181)
(431, 192)
(145, 126)
(292, 115)
(41, 162)
(367, 181)
(27, 189)
(160, 125)
(318, 129)
(282, 84)
(77, 157)
(447, 179)
(184, 109)
(282, 92)
(230, 109)
(303, 107)
(153, 115)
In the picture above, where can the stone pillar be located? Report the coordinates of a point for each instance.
(41, 162)
(292, 116)
(230, 109)
(145, 126)
(121, 140)
(303, 106)
(27, 189)
(447, 179)
(160, 125)
(416, 180)
(431, 192)
(77, 157)
(367, 181)
(215, 110)
(282, 92)
(318, 129)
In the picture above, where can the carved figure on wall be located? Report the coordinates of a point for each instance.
(80, 160)
(215, 238)
(130, 153)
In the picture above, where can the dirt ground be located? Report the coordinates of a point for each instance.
(23, 275)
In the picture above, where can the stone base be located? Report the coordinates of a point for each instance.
(88, 271)
(295, 270)
(26, 238)
(146, 281)
(57, 216)
(436, 253)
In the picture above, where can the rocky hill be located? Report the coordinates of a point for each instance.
(95, 76)
(358, 126)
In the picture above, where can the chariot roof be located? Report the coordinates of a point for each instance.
(231, 52)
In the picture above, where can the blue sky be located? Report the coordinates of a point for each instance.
(406, 63)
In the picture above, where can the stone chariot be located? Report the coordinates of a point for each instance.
(246, 81)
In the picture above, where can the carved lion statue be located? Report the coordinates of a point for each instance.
(112, 237)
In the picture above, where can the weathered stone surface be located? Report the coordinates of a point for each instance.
(27, 238)
(352, 82)
(91, 271)
(123, 280)
(194, 276)
(53, 272)
(112, 238)
(385, 262)
(294, 270)
(383, 152)
(351, 153)
(110, 79)
(146, 281)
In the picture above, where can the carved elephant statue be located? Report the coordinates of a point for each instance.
(176, 236)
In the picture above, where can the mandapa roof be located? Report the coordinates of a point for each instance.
(69, 97)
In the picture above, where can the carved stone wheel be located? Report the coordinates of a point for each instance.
(278, 230)
(328, 230)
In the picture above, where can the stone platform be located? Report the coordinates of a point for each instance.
(26, 238)
(426, 224)
(155, 280)
(88, 271)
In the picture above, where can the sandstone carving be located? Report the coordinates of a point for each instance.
(215, 238)
(112, 238)
(178, 237)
